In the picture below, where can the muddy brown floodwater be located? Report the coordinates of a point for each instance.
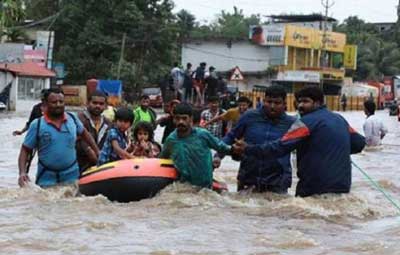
(182, 220)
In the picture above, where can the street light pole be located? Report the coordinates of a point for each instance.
(327, 6)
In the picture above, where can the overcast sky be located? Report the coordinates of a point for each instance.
(369, 10)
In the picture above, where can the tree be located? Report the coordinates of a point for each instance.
(356, 30)
(378, 59)
(234, 25)
(227, 25)
(186, 23)
(88, 38)
(12, 14)
(378, 53)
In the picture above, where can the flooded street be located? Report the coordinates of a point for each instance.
(183, 221)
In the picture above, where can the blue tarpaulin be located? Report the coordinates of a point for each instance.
(110, 87)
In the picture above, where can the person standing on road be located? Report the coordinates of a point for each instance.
(188, 84)
(54, 135)
(343, 102)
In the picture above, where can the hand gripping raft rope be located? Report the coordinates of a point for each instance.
(377, 186)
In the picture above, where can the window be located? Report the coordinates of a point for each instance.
(29, 88)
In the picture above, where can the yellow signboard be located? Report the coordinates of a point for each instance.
(300, 37)
(309, 38)
(350, 57)
(333, 41)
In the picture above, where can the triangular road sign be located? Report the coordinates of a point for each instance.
(237, 75)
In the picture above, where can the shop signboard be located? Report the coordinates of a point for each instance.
(268, 35)
(299, 76)
(350, 57)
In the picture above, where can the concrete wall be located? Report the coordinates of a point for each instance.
(314, 24)
(250, 81)
(247, 56)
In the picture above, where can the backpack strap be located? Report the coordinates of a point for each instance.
(47, 168)
(73, 118)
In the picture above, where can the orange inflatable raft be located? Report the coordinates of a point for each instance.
(131, 179)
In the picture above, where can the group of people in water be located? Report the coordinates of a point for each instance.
(261, 139)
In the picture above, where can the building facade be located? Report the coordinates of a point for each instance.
(224, 54)
(23, 81)
(308, 56)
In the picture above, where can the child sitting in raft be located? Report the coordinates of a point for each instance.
(143, 144)
(117, 141)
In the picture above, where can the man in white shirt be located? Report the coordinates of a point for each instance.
(374, 129)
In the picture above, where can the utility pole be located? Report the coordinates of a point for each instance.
(327, 5)
(121, 57)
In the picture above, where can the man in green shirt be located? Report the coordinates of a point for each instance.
(190, 148)
(144, 113)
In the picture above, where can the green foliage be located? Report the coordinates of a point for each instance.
(377, 59)
(227, 25)
(89, 35)
(12, 14)
(378, 53)
(186, 23)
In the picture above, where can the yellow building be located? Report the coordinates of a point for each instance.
(305, 55)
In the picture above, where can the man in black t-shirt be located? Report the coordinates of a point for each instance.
(36, 112)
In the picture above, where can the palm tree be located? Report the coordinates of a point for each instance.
(377, 59)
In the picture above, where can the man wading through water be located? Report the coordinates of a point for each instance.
(258, 126)
(54, 135)
(97, 125)
(323, 141)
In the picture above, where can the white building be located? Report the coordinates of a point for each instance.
(26, 79)
(224, 54)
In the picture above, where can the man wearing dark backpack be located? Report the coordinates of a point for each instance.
(54, 135)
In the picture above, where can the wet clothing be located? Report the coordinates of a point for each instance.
(168, 123)
(99, 135)
(192, 155)
(373, 129)
(56, 149)
(232, 115)
(144, 115)
(217, 128)
(35, 113)
(138, 151)
(266, 174)
(108, 154)
(323, 141)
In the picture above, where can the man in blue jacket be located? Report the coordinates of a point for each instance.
(324, 142)
(259, 126)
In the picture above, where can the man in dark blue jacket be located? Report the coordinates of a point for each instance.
(324, 142)
(259, 126)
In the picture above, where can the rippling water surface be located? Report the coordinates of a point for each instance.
(182, 220)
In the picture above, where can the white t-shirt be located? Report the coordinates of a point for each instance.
(373, 129)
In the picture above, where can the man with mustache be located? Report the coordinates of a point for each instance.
(190, 148)
(97, 125)
(258, 126)
(323, 141)
(54, 135)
